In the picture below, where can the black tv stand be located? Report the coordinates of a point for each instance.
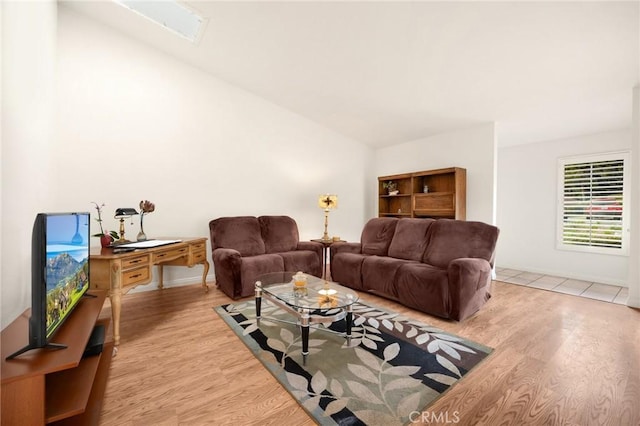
(31, 346)
(96, 341)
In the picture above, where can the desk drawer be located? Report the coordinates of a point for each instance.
(199, 247)
(199, 256)
(136, 276)
(130, 262)
(170, 254)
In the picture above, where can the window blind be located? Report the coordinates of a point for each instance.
(593, 203)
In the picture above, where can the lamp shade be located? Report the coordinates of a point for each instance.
(125, 212)
(328, 201)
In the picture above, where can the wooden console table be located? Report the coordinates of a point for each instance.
(119, 273)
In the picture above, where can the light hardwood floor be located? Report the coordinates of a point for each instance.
(558, 359)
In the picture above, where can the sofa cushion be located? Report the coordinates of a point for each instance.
(306, 261)
(452, 239)
(379, 274)
(253, 266)
(346, 268)
(410, 239)
(280, 233)
(377, 235)
(241, 233)
(425, 288)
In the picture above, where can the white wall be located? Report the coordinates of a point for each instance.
(28, 63)
(473, 149)
(132, 123)
(526, 213)
(634, 249)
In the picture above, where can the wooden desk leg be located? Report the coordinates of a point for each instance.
(115, 295)
(204, 276)
(160, 276)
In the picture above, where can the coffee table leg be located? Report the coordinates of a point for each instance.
(349, 321)
(258, 301)
(304, 326)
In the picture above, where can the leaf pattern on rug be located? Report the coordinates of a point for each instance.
(394, 365)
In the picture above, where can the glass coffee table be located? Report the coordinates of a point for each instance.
(319, 301)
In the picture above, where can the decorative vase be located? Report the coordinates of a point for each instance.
(141, 235)
(105, 240)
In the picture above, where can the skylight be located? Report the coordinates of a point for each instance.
(170, 14)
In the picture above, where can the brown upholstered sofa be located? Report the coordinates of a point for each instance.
(441, 267)
(244, 247)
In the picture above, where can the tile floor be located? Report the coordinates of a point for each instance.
(592, 290)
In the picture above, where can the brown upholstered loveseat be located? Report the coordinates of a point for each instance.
(244, 247)
(441, 267)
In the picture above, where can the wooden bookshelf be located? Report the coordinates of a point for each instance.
(446, 196)
(45, 386)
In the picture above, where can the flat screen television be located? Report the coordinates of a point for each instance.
(59, 274)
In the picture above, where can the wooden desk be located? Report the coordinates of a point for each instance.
(119, 273)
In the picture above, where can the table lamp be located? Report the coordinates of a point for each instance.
(327, 202)
(123, 213)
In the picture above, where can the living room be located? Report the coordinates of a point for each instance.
(94, 113)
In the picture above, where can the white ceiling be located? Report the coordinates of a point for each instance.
(385, 73)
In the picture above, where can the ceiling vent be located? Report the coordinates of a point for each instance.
(172, 15)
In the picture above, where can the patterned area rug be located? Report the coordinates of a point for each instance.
(392, 370)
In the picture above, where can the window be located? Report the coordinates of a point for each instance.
(594, 203)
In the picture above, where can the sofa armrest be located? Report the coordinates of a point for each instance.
(311, 246)
(222, 254)
(345, 247)
(469, 285)
(226, 268)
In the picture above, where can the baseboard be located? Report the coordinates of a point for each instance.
(633, 302)
(180, 282)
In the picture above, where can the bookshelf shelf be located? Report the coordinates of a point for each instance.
(446, 196)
